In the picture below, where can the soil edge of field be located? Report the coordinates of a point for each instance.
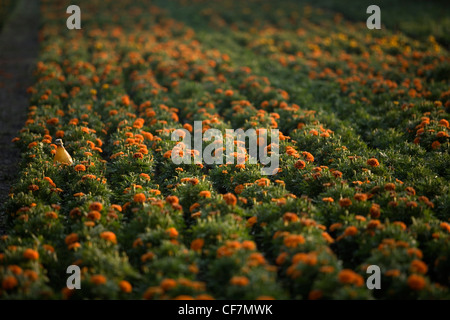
(18, 53)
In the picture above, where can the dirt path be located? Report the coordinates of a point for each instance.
(18, 53)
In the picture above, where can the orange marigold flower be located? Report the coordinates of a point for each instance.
(96, 206)
(445, 226)
(290, 217)
(444, 123)
(32, 275)
(98, 279)
(335, 226)
(31, 254)
(392, 273)
(300, 164)
(230, 199)
(251, 221)
(51, 215)
(327, 237)
(71, 238)
(239, 281)
(315, 295)
(418, 266)
(125, 100)
(15, 269)
(74, 245)
(248, 245)
(33, 187)
(345, 202)
(80, 167)
(197, 244)
(375, 210)
(138, 155)
(435, 145)
(293, 240)
(147, 256)
(48, 248)
(239, 188)
(172, 199)
(281, 258)
(173, 233)
(350, 231)
(9, 283)
(167, 284)
(308, 156)
(348, 276)
(109, 236)
(205, 194)
(373, 162)
(94, 215)
(416, 282)
(125, 286)
(360, 196)
(139, 197)
(414, 251)
(328, 199)
(389, 186)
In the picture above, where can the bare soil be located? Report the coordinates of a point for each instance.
(18, 54)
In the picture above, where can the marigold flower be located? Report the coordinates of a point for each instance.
(239, 281)
(445, 226)
(348, 276)
(167, 284)
(416, 282)
(125, 286)
(315, 295)
(435, 145)
(31, 254)
(350, 231)
(418, 266)
(94, 215)
(9, 283)
(98, 279)
(230, 199)
(290, 217)
(373, 162)
(292, 241)
(15, 269)
(80, 167)
(360, 196)
(444, 123)
(197, 244)
(392, 273)
(345, 202)
(172, 199)
(251, 221)
(173, 233)
(300, 164)
(375, 210)
(239, 188)
(96, 206)
(109, 236)
(139, 198)
(31, 274)
(71, 238)
(205, 194)
(308, 156)
(335, 226)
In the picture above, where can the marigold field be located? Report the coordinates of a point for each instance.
(363, 175)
